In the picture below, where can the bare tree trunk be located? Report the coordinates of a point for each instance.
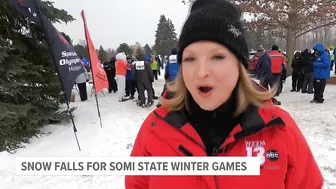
(320, 39)
(290, 46)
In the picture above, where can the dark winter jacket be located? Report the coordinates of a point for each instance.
(308, 58)
(158, 60)
(322, 63)
(109, 67)
(129, 75)
(284, 72)
(297, 64)
(264, 67)
(142, 72)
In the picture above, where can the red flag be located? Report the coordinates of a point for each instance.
(98, 72)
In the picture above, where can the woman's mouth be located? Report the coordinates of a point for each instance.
(205, 90)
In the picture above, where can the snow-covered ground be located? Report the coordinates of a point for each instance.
(121, 122)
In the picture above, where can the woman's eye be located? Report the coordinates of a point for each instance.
(218, 57)
(188, 59)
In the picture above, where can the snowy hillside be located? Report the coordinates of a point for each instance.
(121, 122)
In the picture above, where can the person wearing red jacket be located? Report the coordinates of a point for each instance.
(278, 60)
(214, 109)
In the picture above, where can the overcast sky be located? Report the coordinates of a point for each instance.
(112, 22)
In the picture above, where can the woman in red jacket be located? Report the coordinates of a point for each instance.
(214, 109)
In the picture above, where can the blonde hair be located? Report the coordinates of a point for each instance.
(248, 93)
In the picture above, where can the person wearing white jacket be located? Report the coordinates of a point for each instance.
(81, 83)
(121, 69)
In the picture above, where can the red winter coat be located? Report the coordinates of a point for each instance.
(260, 132)
(277, 59)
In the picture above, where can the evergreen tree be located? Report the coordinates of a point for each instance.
(82, 51)
(110, 52)
(124, 47)
(29, 86)
(67, 37)
(172, 42)
(102, 54)
(165, 36)
(139, 53)
(161, 36)
(147, 50)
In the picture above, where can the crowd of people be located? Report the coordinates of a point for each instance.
(311, 69)
(128, 75)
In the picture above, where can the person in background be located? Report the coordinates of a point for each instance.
(166, 59)
(308, 59)
(130, 80)
(163, 62)
(264, 68)
(334, 53)
(332, 57)
(121, 70)
(264, 71)
(277, 59)
(172, 67)
(297, 75)
(81, 83)
(284, 70)
(109, 67)
(214, 109)
(155, 66)
(171, 71)
(85, 63)
(143, 75)
(158, 60)
(321, 72)
(149, 60)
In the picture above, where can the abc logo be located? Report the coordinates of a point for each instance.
(272, 155)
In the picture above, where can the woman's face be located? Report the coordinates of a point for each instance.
(210, 72)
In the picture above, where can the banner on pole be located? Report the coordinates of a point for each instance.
(67, 62)
(98, 72)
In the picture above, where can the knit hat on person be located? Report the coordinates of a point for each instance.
(275, 48)
(215, 20)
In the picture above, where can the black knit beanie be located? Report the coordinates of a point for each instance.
(215, 20)
(275, 47)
